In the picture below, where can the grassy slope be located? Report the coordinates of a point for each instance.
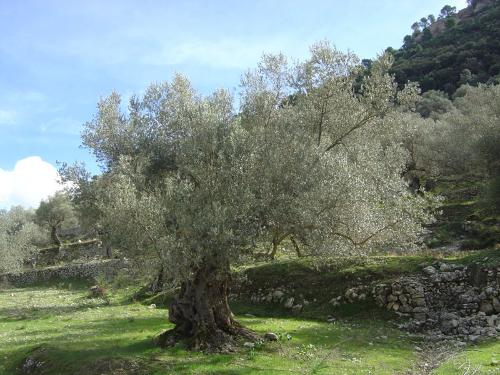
(87, 336)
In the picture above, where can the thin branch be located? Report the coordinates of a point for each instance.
(358, 125)
(361, 243)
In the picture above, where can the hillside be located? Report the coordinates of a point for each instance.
(454, 50)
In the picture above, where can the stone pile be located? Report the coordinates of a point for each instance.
(405, 296)
(443, 300)
(280, 296)
(447, 299)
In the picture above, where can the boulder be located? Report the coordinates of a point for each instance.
(486, 307)
(429, 271)
(289, 303)
(278, 295)
(496, 304)
(270, 336)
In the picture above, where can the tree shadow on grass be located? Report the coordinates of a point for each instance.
(117, 356)
(11, 314)
(101, 344)
(364, 311)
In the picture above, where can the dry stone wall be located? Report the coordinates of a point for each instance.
(443, 300)
(88, 270)
(86, 251)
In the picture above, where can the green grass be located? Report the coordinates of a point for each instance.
(73, 334)
(483, 359)
(78, 335)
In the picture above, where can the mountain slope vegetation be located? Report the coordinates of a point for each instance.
(461, 48)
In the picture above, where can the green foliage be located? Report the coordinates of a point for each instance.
(84, 190)
(460, 150)
(190, 180)
(54, 212)
(18, 236)
(467, 43)
(447, 11)
(464, 139)
(433, 104)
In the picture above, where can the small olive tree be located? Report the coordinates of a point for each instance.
(54, 212)
(18, 235)
(197, 184)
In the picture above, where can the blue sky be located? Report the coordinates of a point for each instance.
(58, 57)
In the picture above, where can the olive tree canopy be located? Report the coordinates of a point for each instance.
(18, 234)
(54, 212)
(197, 183)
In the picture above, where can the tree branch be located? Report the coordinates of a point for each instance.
(358, 125)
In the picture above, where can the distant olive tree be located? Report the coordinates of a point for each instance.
(18, 237)
(424, 22)
(434, 104)
(84, 191)
(54, 212)
(447, 11)
(473, 129)
(416, 28)
(465, 137)
(478, 119)
(197, 184)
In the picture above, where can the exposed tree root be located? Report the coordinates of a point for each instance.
(202, 316)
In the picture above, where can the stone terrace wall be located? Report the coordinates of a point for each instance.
(443, 300)
(85, 251)
(447, 299)
(91, 270)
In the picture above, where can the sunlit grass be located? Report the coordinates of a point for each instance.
(79, 334)
(77, 331)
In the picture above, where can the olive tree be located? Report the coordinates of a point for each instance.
(472, 142)
(55, 211)
(18, 235)
(197, 184)
(84, 191)
(465, 139)
(433, 104)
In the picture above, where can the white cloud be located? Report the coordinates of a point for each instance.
(31, 181)
(222, 53)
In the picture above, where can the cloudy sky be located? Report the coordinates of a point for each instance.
(57, 58)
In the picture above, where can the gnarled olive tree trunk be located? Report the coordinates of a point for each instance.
(55, 236)
(201, 313)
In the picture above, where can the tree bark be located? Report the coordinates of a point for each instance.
(201, 313)
(274, 250)
(54, 236)
(109, 251)
(296, 246)
(159, 281)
